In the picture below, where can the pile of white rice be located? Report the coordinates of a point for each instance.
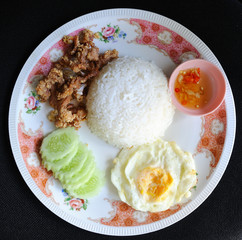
(129, 103)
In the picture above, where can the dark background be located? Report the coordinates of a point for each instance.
(24, 24)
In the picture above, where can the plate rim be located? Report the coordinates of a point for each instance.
(110, 230)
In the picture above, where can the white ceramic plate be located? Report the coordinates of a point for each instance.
(136, 33)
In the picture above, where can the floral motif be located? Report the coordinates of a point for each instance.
(32, 103)
(220, 140)
(33, 160)
(187, 56)
(124, 215)
(43, 60)
(140, 216)
(217, 127)
(222, 113)
(165, 37)
(34, 173)
(155, 217)
(147, 39)
(75, 203)
(214, 135)
(55, 54)
(205, 141)
(155, 27)
(164, 40)
(30, 143)
(178, 39)
(173, 53)
(110, 33)
(128, 222)
(24, 149)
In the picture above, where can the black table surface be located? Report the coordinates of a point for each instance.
(24, 24)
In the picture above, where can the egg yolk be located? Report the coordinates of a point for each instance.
(153, 183)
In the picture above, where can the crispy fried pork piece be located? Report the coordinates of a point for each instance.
(64, 116)
(44, 87)
(52, 115)
(107, 57)
(76, 45)
(72, 73)
(68, 88)
(86, 36)
(69, 115)
(67, 39)
(79, 97)
(93, 54)
(80, 115)
(81, 93)
(85, 55)
(53, 101)
(83, 40)
(63, 62)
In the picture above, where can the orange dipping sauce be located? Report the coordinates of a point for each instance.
(192, 88)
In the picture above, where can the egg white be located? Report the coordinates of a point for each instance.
(167, 156)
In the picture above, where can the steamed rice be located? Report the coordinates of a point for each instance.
(129, 103)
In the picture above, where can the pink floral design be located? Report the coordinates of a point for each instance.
(30, 103)
(108, 31)
(76, 203)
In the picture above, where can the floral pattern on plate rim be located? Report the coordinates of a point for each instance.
(30, 143)
(122, 215)
(213, 136)
(32, 103)
(75, 203)
(165, 41)
(110, 34)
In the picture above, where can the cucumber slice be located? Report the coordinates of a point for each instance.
(58, 144)
(72, 163)
(90, 188)
(83, 175)
(75, 165)
(56, 165)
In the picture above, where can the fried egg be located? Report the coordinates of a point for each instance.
(153, 177)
